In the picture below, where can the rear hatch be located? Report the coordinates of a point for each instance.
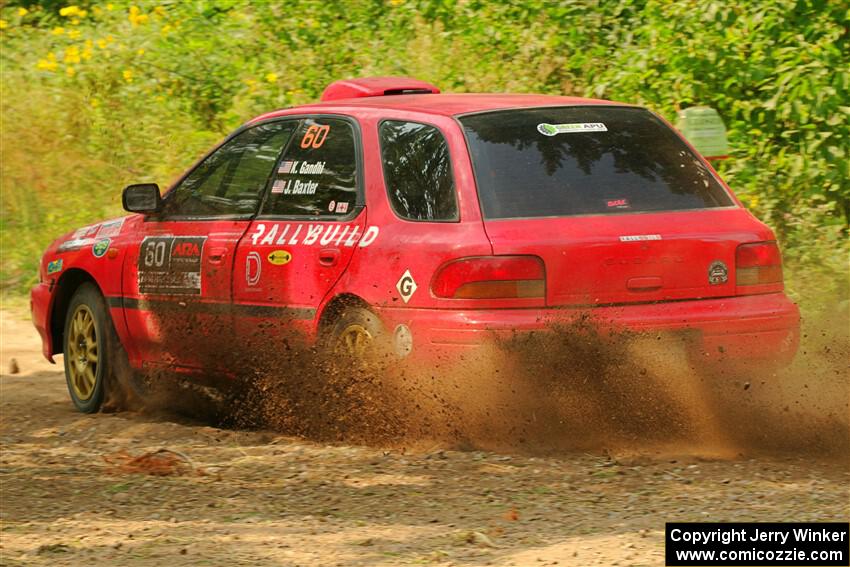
(614, 202)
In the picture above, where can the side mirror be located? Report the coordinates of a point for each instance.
(142, 198)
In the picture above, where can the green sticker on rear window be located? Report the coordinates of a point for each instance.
(555, 129)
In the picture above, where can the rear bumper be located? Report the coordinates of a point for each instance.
(40, 297)
(756, 327)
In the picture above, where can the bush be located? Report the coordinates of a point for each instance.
(100, 94)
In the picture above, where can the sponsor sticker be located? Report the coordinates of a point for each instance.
(73, 244)
(555, 129)
(111, 228)
(54, 267)
(342, 207)
(640, 237)
(171, 265)
(85, 232)
(406, 286)
(718, 273)
(332, 206)
(617, 204)
(279, 257)
(100, 247)
(253, 269)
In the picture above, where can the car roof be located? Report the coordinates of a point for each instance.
(441, 104)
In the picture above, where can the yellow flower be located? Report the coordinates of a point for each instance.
(754, 202)
(48, 64)
(72, 12)
(71, 55)
(136, 16)
(23, 12)
(3, 24)
(165, 29)
(109, 7)
(70, 71)
(101, 43)
(140, 52)
(86, 54)
(128, 75)
(159, 11)
(271, 77)
(58, 31)
(73, 34)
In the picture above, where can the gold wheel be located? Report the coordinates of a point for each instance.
(354, 340)
(82, 352)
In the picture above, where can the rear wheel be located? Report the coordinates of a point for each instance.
(356, 333)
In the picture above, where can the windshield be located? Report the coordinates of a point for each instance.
(543, 162)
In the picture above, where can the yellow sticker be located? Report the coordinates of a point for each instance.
(280, 257)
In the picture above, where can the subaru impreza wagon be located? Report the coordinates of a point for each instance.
(389, 211)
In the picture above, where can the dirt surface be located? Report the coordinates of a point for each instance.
(72, 493)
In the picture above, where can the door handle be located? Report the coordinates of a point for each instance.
(217, 255)
(329, 256)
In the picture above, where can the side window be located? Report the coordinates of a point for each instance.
(231, 180)
(418, 171)
(317, 176)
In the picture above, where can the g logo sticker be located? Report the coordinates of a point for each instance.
(406, 286)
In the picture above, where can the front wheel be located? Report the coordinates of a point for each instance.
(88, 349)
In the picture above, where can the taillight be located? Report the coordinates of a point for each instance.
(758, 264)
(491, 277)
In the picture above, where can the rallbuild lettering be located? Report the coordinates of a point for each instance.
(324, 234)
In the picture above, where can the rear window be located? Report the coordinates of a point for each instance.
(544, 162)
(417, 171)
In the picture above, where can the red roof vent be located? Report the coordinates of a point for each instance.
(376, 86)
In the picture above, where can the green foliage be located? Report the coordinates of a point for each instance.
(101, 94)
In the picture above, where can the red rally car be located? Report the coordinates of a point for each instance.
(433, 220)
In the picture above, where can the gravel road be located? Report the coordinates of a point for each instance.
(257, 497)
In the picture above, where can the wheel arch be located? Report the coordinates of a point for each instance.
(67, 285)
(336, 305)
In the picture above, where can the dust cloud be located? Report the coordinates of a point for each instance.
(574, 388)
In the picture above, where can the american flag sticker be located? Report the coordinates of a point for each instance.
(278, 186)
(286, 166)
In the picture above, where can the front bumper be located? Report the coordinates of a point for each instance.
(754, 327)
(40, 297)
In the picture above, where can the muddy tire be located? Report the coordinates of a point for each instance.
(356, 333)
(95, 361)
